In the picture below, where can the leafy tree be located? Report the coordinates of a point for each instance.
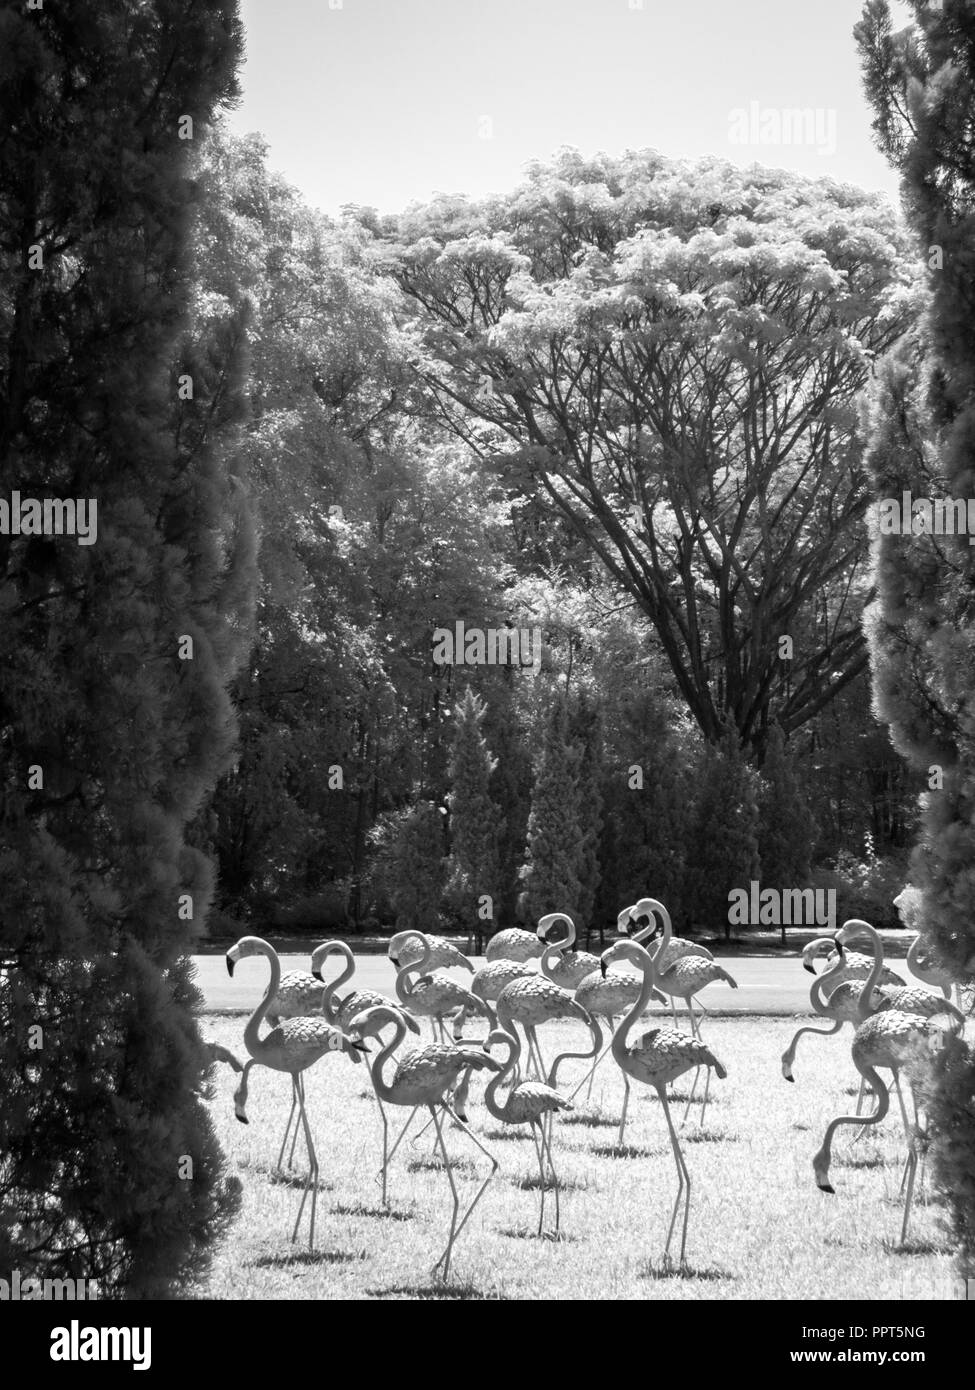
(921, 83)
(722, 851)
(786, 829)
(410, 864)
(556, 839)
(114, 656)
(475, 820)
(667, 357)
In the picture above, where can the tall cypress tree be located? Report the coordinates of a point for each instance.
(114, 655)
(786, 826)
(723, 839)
(921, 628)
(473, 869)
(556, 839)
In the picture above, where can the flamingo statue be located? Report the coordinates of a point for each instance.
(656, 1059)
(425, 1077)
(890, 1039)
(561, 964)
(854, 965)
(432, 996)
(527, 1103)
(532, 1001)
(293, 1046)
(683, 978)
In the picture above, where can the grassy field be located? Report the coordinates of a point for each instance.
(759, 1227)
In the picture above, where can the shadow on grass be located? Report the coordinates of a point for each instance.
(296, 1181)
(384, 1213)
(711, 1136)
(657, 1270)
(509, 1132)
(532, 1183)
(308, 1257)
(436, 1292)
(849, 1160)
(623, 1151)
(435, 1165)
(590, 1121)
(529, 1233)
(916, 1247)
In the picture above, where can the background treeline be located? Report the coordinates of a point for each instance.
(399, 449)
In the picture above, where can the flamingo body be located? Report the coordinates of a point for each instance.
(513, 944)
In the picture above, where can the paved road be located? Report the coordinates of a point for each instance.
(766, 985)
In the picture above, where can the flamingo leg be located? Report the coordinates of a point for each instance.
(536, 1140)
(547, 1140)
(299, 1084)
(533, 1044)
(402, 1135)
(910, 1169)
(592, 1070)
(385, 1167)
(626, 1101)
(707, 1089)
(448, 1250)
(287, 1128)
(312, 1181)
(487, 1153)
(683, 1182)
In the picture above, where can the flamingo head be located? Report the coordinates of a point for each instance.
(246, 946)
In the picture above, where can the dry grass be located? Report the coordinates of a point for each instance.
(759, 1227)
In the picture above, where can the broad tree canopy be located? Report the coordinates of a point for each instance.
(668, 355)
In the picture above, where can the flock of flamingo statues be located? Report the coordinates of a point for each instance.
(532, 978)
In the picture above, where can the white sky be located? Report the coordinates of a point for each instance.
(381, 102)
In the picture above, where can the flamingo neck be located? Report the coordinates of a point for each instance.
(645, 963)
(550, 958)
(252, 1041)
(653, 909)
(337, 948)
(404, 985)
(817, 994)
(495, 1107)
(382, 1088)
(866, 994)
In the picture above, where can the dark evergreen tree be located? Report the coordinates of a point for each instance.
(475, 820)
(723, 842)
(921, 83)
(589, 730)
(410, 865)
(114, 655)
(786, 828)
(556, 839)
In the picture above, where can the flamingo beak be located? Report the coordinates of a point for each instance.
(395, 961)
(230, 966)
(602, 968)
(318, 975)
(810, 968)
